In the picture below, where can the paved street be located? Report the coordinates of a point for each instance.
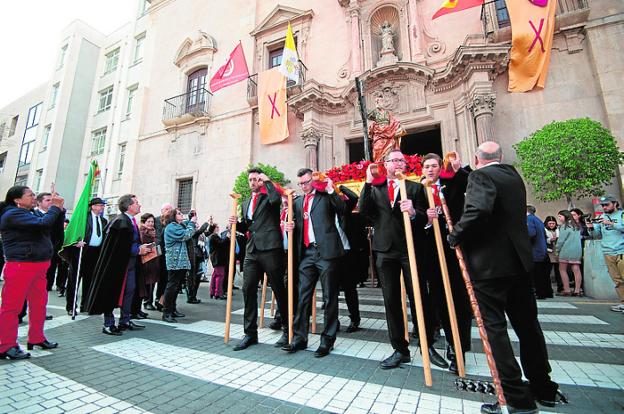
(187, 368)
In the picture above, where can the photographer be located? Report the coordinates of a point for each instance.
(610, 228)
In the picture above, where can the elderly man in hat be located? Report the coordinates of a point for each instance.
(91, 246)
(610, 228)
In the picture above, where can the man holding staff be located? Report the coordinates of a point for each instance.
(264, 254)
(453, 184)
(382, 205)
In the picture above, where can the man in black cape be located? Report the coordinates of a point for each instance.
(114, 278)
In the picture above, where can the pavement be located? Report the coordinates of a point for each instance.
(187, 367)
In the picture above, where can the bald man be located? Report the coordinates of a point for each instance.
(494, 237)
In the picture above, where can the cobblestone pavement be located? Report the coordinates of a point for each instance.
(186, 367)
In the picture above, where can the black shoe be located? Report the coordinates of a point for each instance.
(394, 360)
(49, 317)
(235, 287)
(177, 314)
(559, 397)
(149, 307)
(436, 359)
(15, 353)
(111, 330)
(276, 325)
(143, 314)
(193, 301)
(61, 293)
(246, 342)
(158, 307)
(167, 317)
(294, 347)
(282, 342)
(496, 409)
(139, 315)
(20, 321)
(323, 350)
(130, 326)
(43, 345)
(353, 327)
(453, 366)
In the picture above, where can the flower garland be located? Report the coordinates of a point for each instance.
(356, 171)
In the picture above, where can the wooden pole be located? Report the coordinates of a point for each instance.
(487, 349)
(420, 314)
(291, 236)
(450, 303)
(404, 305)
(264, 291)
(363, 114)
(313, 329)
(228, 307)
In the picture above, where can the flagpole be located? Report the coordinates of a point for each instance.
(77, 283)
(358, 87)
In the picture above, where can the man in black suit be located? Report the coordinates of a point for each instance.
(452, 183)
(91, 246)
(382, 205)
(44, 201)
(318, 246)
(264, 253)
(494, 237)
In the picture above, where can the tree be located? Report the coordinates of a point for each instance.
(241, 184)
(572, 159)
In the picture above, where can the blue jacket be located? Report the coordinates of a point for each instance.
(612, 235)
(569, 244)
(26, 236)
(176, 254)
(538, 237)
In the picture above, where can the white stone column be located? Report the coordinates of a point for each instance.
(482, 109)
(311, 137)
(356, 43)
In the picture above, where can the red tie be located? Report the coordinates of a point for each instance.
(391, 192)
(306, 219)
(436, 195)
(135, 225)
(254, 201)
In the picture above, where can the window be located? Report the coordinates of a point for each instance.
(185, 195)
(196, 89)
(275, 58)
(33, 116)
(2, 162)
(138, 47)
(112, 59)
(122, 159)
(3, 128)
(61, 58)
(131, 91)
(21, 179)
(106, 99)
(38, 176)
(502, 15)
(46, 137)
(95, 186)
(26, 154)
(30, 133)
(55, 90)
(143, 7)
(13, 125)
(98, 141)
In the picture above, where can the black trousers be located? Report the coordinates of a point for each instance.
(87, 266)
(389, 268)
(540, 275)
(458, 291)
(513, 296)
(51, 273)
(256, 265)
(171, 291)
(193, 279)
(162, 278)
(347, 282)
(62, 273)
(311, 268)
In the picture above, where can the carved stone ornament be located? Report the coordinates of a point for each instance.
(311, 137)
(482, 103)
(388, 97)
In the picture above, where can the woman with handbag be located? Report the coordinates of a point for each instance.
(150, 264)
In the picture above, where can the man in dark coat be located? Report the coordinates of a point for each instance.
(44, 201)
(263, 254)
(114, 277)
(383, 206)
(494, 237)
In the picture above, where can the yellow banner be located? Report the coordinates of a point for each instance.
(272, 108)
(532, 30)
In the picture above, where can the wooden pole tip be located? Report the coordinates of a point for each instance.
(400, 175)
(235, 196)
(288, 191)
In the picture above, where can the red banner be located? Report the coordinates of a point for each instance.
(234, 70)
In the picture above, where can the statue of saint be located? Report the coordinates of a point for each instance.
(384, 130)
(387, 40)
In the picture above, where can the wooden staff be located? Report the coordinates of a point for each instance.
(291, 236)
(450, 303)
(404, 305)
(272, 304)
(475, 308)
(264, 290)
(420, 314)
(228, 307)
(314, 312)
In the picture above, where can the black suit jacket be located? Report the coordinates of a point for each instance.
(388, 221)
(493, 229)
(454, 190)
(89, 229)
(324, 209)
(264, 226)
(57, 231)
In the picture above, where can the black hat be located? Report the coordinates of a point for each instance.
(96, 200)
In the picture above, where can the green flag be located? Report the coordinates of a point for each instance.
(75, 230)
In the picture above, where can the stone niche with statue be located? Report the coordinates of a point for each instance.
(385, 36)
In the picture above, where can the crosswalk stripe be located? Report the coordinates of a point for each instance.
(52, 392)
(564, 372)
(320, 391)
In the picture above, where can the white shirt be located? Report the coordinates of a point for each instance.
(311, 237)
(95, 240)
(249, 209)
(343, 236)
(396, 189)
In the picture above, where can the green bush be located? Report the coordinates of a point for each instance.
(573, 159)
(241, 185)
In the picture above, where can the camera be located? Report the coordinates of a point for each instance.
(589, 219)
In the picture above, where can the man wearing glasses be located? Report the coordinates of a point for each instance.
(264, 253)
(383, 206)
(319, 247)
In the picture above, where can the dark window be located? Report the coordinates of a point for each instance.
(2, 161)
(356, 151)
(502, 15)
(185, 195)
(275, 58)
(13, 126)
(196, 89)
(21, 179)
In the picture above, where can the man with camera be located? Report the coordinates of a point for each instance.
(610, 228)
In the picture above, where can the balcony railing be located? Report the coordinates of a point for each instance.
(292, 87)
(186, 107)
